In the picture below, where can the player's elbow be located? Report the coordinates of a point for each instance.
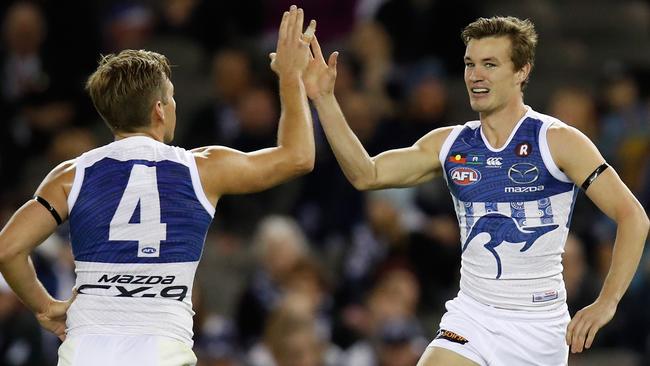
(645, 222)
(298, 159)
(364, 179)
(635, 214)
(641, 216)
(296, 166)
(7, 252)
(362, 183)
(306, 163)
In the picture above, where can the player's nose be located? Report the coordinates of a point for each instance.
(475, 75)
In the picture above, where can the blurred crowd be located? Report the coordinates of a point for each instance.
(314, 272)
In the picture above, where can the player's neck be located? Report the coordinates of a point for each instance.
(497, 125)
(152, 134)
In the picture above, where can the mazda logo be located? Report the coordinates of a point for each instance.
(523, 173)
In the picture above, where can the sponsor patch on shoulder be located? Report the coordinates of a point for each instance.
(545, 296)
(451, 336)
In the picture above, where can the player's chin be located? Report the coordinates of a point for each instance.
(478, 106)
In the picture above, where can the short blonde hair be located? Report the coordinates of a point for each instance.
(125, 86)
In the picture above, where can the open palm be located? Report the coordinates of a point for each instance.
(319, 77)
(292, 51)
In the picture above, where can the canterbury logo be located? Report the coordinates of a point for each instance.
(494, 161)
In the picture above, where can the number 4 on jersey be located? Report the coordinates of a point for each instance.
(142, 188)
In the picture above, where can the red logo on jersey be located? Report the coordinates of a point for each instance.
(523, 149)
(464, 176)
(457, 158)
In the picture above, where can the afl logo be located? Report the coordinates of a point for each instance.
(465, 176)
(148, 250)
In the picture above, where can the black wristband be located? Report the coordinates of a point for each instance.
(592, 177)
(49, 207)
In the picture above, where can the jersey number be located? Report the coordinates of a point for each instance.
(141, 189)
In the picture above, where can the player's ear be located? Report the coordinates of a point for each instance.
(523, 73)
(158, 113)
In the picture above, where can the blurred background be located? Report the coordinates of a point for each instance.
(314, 272)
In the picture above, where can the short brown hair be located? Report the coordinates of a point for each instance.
(125, 86)
(521, 33)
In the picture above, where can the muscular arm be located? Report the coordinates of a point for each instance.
(28, 228)
(228, 171)
(394, 168)
(577, 157)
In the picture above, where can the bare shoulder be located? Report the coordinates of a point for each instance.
(559, 133)
(208, 156)
(572, 151)
(565, 140)
(215, 165)
(56, 186)
(62, 176)
(433, 140)
(206, 151)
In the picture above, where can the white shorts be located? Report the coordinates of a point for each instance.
(123, 350)
(497, 337)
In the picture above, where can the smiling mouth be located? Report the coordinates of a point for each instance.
(480, 90)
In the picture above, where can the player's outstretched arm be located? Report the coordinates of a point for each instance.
(577, 156)
(26, 229)
(228, 171)
(395, 168)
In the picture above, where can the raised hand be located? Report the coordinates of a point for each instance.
(292, 52)
(319, 77)
(54, 317)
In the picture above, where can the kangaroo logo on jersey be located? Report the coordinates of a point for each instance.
(523, 173)
(464, 176)
(504, 229)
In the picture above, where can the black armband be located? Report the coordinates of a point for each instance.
(592, 177)
(49, 207)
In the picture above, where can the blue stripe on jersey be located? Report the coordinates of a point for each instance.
(469, 215)
(103, 186)
(491, 207)
(546, 210)
(518, 212)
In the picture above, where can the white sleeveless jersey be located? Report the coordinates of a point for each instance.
(513, 206)
(138, 220)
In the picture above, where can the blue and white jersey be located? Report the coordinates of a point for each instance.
(138, 220)
(514, 207)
